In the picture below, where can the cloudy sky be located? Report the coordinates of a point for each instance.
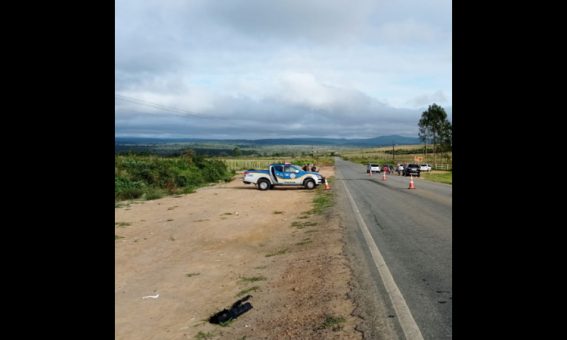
(280, 68)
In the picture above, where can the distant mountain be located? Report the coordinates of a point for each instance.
(385, 140)
(368, 142)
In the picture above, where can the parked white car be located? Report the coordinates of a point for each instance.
(373, 168)
(425, 167)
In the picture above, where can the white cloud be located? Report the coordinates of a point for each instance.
(303, 88)
(437, 97)
(358, 67)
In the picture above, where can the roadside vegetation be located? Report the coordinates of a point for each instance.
(323, 198)
(439, 176)
(332, 322)
(152, 177)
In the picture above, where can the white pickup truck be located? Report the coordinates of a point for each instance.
(283, 175)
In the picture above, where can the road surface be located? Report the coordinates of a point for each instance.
(400, 242)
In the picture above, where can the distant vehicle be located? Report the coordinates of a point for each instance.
(283, 175)
(425, 167)
(373, 168)
(412, 169)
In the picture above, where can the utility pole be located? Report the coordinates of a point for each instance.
(393, 154)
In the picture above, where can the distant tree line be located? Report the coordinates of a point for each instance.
(159, 150)
(406, 151)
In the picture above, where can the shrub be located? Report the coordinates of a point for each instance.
(153, 176)
(126, 189)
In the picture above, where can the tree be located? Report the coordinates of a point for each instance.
(236, 151)
(446, 137)
(436, 128)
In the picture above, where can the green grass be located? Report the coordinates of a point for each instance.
(323, 200)
(335, 323)
(305, 241)
(202, 336)
(153, 194)
(117, 237)
(279, 252)
(252, 279)
(188, 190)
(278, 212)
(122, 224)
(247, 290)
(192, 274)
(441, 177)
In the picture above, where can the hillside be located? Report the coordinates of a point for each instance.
(368, 142)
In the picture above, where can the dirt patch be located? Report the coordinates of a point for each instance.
(179, 260)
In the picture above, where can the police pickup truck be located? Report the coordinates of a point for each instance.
(287, 174)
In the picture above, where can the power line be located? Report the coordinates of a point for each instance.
(161, 107)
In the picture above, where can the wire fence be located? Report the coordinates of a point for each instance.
(245, 164)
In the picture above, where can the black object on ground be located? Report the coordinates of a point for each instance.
(235, 311)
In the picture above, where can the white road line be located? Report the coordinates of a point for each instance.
(407, 322)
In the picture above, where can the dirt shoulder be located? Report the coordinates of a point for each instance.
(203, 251)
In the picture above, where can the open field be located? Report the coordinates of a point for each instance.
(383, 155)
(438, 176)
(181, 259)
(243, 163)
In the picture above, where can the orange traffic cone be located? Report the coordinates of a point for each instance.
(327, 186)
(384, 176)
(411, 185)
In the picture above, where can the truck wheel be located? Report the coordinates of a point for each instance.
(263, 184)
(309, 184)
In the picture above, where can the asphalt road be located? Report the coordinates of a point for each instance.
(412, 230)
